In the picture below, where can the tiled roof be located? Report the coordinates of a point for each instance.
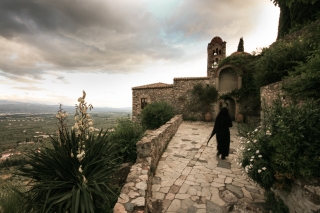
(217, 39)
(240, 53)
(191, 78)
(153, 86)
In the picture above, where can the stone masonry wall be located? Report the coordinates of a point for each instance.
(304, 196)
(135, 196)
(182, 94)
(152, 95)
(271, 92)
(178, 95)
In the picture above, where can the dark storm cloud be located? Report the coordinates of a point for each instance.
(37, 36)
(78, 35)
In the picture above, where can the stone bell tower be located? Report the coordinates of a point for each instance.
(216, 52)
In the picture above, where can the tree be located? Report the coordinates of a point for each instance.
(294, 14)
(240, 45)
(290, 2)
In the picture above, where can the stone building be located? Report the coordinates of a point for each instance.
(224, 79)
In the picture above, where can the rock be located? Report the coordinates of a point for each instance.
(235, 190)
(140, 201)
(118, 208)
(228, 197)
(212, 207)
(123, 198)
(141, 185)
(128, 206)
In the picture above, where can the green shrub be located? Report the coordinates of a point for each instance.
(74, 175)
(277, 61)
(305, 80)
(156, 114)
(285, 147)
(202, 97)
(126, 134)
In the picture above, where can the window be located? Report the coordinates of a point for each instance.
(143, 103)
(219, 52)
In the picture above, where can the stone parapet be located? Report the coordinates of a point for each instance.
(136, 194)
(303, 197)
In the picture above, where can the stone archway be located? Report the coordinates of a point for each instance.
(227, 78)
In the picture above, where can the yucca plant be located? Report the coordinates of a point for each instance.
(11, 198)
(75, 175)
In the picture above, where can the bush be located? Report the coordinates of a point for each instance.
(74, 175)
(277, 61)
(285, 147)
(156, 114)
(126, 134)
(305, 80)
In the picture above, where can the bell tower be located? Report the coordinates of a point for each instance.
(216, 52)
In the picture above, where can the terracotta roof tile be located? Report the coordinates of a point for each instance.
(240, 53)
(217, 39)
(153, 86)
(191, 78)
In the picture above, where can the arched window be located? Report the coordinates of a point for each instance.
(219, 52)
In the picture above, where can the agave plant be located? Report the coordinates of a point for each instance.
(75, 175)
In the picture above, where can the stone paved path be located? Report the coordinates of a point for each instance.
(191, 179)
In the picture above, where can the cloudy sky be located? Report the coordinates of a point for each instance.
(51, 50)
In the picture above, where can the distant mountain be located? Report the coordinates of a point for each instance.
(7, 106)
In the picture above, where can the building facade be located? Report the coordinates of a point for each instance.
(224, 79)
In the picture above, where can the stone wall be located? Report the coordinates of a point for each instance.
(178, 95)
(271, 92)
(182, 88)
(303, 197)
(157, 94)
(135, 196)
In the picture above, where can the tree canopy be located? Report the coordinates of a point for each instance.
(290, 2)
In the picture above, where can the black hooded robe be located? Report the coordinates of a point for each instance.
(221, 129)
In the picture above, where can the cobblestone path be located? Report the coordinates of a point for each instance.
(191, 179)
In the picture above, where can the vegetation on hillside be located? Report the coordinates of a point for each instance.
(294, 14)
(126, 134)
(79, 172)
(286, 145)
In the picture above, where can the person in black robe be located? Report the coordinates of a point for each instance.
(221, 130)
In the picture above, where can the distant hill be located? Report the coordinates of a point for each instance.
(22, 107)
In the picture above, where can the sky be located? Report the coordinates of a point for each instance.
(52, 50)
